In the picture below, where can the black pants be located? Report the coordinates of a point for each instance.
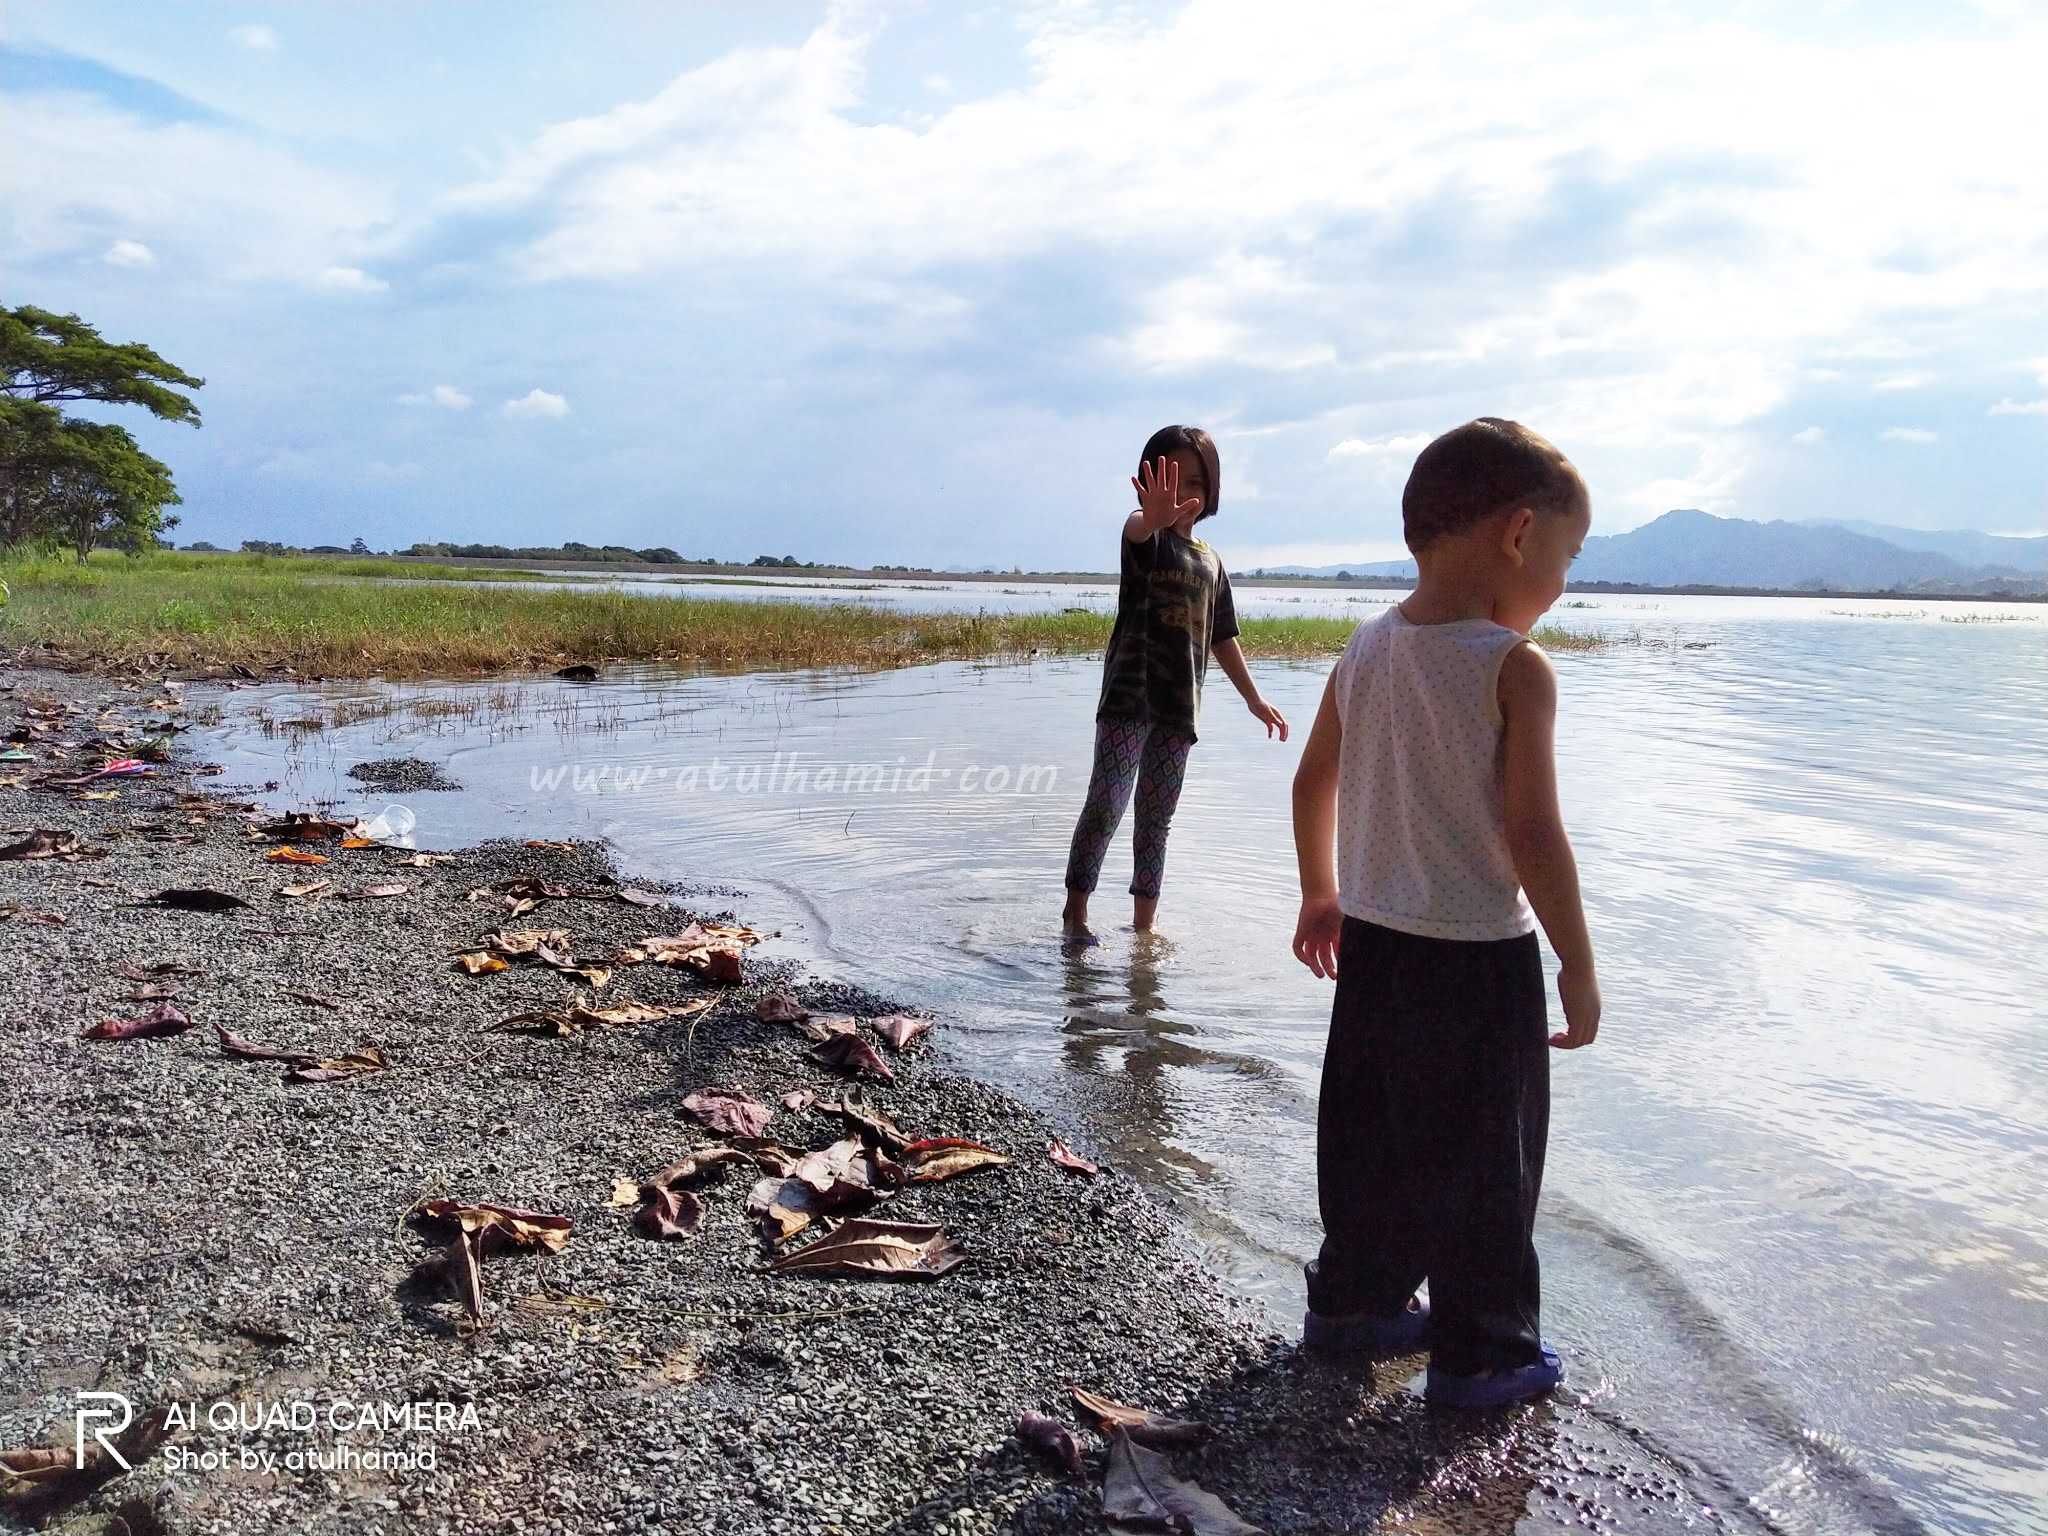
(1429, 1141)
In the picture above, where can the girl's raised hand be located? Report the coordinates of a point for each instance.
(1159, 500)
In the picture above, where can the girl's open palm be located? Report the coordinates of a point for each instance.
(1159, 500)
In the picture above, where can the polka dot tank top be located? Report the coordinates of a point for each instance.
(1421, 835)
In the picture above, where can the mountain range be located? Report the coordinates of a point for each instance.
(1693, 548)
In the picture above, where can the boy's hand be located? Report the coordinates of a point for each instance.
(1579, 991)
(1268, 716)
(1159, 502)
(1316, 933)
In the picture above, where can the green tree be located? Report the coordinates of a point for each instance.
(65, 478)
(50, 358)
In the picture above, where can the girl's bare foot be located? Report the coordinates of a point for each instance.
(1074, 916)
(1143, 910)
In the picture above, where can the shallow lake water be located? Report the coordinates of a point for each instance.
(1796, 1219)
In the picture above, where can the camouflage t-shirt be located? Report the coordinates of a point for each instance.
(1173, 603)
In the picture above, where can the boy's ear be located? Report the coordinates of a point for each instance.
(1514, 533)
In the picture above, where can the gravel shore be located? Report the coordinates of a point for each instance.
(185, 1226)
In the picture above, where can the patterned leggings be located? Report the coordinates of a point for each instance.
(1127, 753)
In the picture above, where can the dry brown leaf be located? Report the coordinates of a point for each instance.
(625, 1193)
(293, 856)
(164, 1019)
(359, 842)
(310, 888)
(900, 1029)
(376, 892)
(1140, 1489)
(1045, 1433)
(868, 1122)
(503, 1225)
(799, 1100)
(823, 1026)
(731, 1110)
(524, 941)
(778, 1007)
(639, 1013)
(482, 963)
(884, 1250)
(941, 1157)
(1066, 1157)
(334, 1069)
(704, 1163)
(234, 1045)
(671, 1213)
(154, 992)
(850, 1053)
(1153, 1430)
(42, 844)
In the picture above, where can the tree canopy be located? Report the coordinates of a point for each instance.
(68, 480)
(49, 358)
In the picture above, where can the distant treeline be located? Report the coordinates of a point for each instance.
(659, 554)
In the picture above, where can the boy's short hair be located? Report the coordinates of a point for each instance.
(1485, 466)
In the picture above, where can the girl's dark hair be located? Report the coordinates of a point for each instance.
(1484, 467)
(1168, 440)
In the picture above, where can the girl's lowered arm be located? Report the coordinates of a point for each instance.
(1230, 657)
(1317, 930)
(1536, 836)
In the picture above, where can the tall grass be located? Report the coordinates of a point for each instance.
(322, 617)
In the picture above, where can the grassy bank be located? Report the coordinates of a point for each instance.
(333, 618)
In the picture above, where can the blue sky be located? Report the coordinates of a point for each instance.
(911, 283)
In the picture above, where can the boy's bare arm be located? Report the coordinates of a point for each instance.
(1321, 922)
(1536, 836)
(1230, 657)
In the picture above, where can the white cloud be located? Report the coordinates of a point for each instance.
(1903, 381)
(377, 470)
(1906, 435)
(2012, 407)
(129, 253)
(1806, 437)
(537, 403)
(349, 280)
(260, 39)
(445, 395)
(1401, 446)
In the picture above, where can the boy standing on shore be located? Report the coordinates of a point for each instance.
(1427, 829)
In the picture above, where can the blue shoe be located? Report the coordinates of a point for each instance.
(1498, 1389)
(1376, 1338)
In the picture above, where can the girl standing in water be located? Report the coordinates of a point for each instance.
(1173, 610)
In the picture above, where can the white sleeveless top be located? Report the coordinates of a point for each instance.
(1421, 834)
